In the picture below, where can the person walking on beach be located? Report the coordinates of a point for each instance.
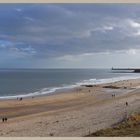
(5, 119)
(2, 119)
(113, 95)
(126, 103)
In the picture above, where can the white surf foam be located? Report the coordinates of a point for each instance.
(107, 80)
(46, 91)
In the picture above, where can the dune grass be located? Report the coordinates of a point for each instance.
(129, 127)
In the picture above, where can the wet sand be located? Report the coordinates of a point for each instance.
(76, 112)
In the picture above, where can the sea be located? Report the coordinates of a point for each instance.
(35, 82)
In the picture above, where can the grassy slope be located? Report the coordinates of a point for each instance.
(128, 127)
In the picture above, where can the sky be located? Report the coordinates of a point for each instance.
(69, 35)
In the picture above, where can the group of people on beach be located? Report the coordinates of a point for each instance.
(4, 119)
(20, 99)
(113, 95)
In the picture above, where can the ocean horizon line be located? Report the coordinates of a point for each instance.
(47, 68)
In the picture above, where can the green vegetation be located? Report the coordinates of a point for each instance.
(130, 127)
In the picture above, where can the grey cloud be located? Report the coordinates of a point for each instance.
(58, 29)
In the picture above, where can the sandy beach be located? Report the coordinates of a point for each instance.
(76, 112)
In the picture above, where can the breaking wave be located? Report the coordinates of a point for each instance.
(46, 91)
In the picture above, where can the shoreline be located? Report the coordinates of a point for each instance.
(73, 112)
(58, 90)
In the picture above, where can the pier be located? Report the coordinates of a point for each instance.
(121, 69)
